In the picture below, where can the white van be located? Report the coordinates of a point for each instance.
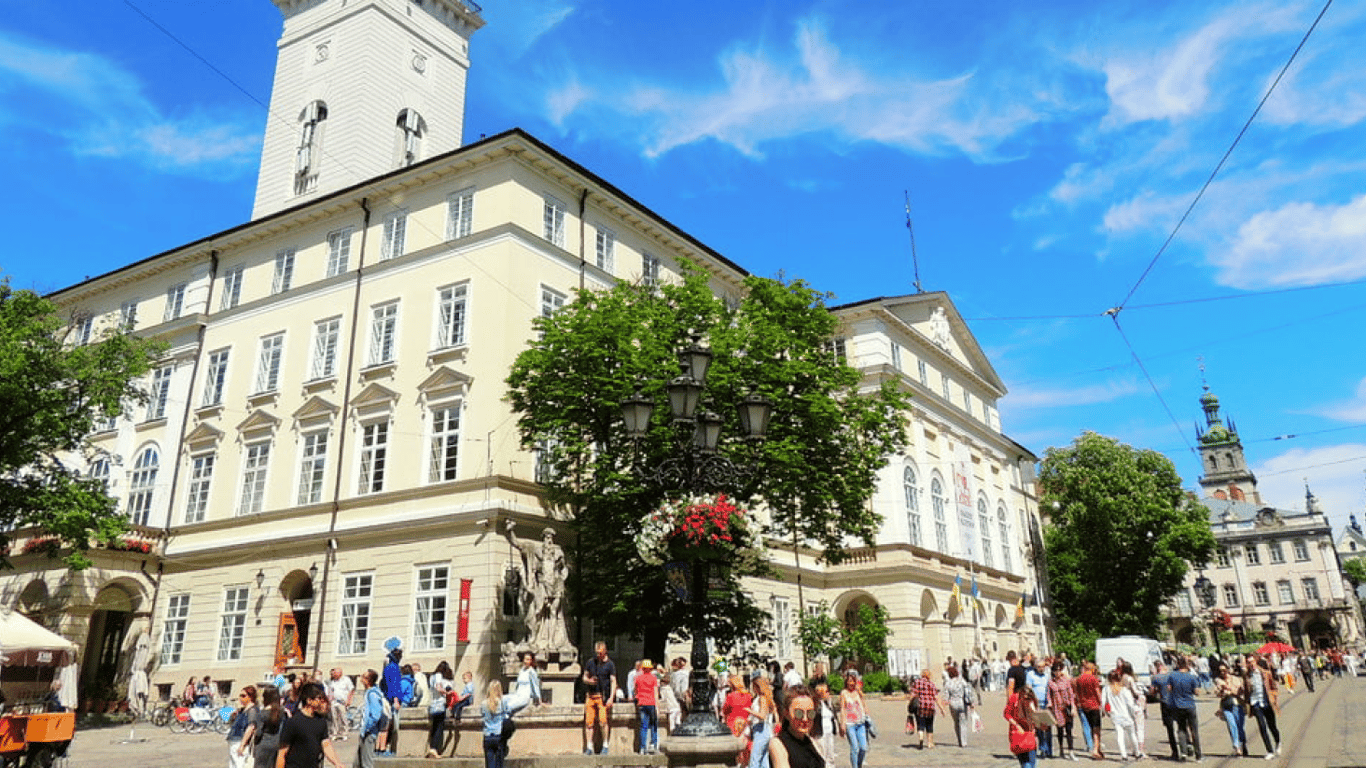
(1140, 652)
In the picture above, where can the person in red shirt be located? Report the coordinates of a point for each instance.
(647, 690)
(1087, 688)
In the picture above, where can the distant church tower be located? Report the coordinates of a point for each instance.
(1221, 456)
(362, 87)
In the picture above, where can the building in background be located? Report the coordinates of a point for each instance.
(326, 458)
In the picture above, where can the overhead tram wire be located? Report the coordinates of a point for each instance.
(1139, 361)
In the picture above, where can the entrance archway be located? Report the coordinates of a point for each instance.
(291, 645)
(112, 615)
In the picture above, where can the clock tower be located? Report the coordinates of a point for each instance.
(362, 87)
(1227, 475)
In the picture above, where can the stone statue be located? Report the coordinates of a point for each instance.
(544, 571)
(939, 327)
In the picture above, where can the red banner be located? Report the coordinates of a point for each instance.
(462, 627)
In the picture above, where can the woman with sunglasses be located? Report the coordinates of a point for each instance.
(792, 747)
(243, 729)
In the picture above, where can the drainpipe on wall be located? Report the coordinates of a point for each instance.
(583, 256)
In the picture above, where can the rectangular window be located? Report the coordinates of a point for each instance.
(175, 302)
(216, 376)
(924, 372)
(395, 235)
(459, 214)
(201, 477)
(1230, 596)
(1183, 604)
(606, 248)
(128, 315)
(338, 251)
(254, 479)
(1221, 558)
(545, 458)
(782, 627)
(374, 448)
(551, 301)
(944, 379)
(284, 271)
(383, 333)
(83, 328)
(160, 393)
(1285, 593)
(1277, 553)
(450, 316)
(1254, 556)
(445, 446)
(354, 627)
(232, 288)
(429, 612)
(1260, 594)
(312, 467)
(268, 363)
(649, 270)
(967, 402)
(553, 220)
(896, 356)
(233, 628)
(325, 335)
(1310, 585)
(1301, 550)
(173, 631)
(836, 348)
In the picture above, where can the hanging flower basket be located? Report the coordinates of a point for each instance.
(694, 529)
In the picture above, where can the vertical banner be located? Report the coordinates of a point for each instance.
(462, 626)
(962, 498)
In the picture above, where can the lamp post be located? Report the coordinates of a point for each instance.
(1205, 588)
(697, 467)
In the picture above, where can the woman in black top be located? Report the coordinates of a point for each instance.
(793, 747)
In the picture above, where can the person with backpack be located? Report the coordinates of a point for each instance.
(498, 726)
(959, 695)
(391, 685)
(375, 717)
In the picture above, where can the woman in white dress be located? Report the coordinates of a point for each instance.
(527, 690)
(1119, 705)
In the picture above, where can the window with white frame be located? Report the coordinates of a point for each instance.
(1230, 595)
(649, 270)
(175, 302)
(141, 486)
(545, 460)
(1254, 556)
(394, 235)
(1301, 550)
(984, 528)
(944, 380)
(201, 479)
(99, 470)
(312, 466)
(128, 315)
(552, 219)
(1285, 592)
(216, 375)
(325, 336)
(836, 348)
(924, 372)
(233, 627)
(782, 627)
(1275, 552)
(460, 214)
(444, 454)
(939, 505)
(429, 610)
(268, 363)
(254, 463)
(606, 248)
(911, 490)
(353, 632)
(232, 287)
(896, 356)
(1003, 523)
(551, 301)
(1310, 585)
(1260, 594)
(1183, 603)
(411, 130)
(83, 328)
(383, 333)
(450, 315)
(284, 271)
(173, 629)
(339, 251)
(374, 450)
(1221, 558)
(159, 393)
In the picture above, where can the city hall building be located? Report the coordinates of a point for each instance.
(326, 457)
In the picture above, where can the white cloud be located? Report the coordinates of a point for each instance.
(1029, 397)
(1352, 409)
(562, 102)
(1169, 83)
(97, 108)
(1333, 473)
(1297, 244)
(1146, 211)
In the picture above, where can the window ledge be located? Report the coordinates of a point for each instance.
(447, 354)
(263, 398)
(372, 372)
(151, 424)
(320, 385)
(209, 411)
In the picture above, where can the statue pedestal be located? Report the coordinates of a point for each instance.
(701, 750)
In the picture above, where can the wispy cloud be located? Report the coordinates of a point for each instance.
(1108, 392)
(518, 27)
(1333, 473)
(94, 107)
(1297, 244)
(1352, 409)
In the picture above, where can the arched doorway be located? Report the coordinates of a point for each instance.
(291, 646)
(110, 619)
(1321, 632)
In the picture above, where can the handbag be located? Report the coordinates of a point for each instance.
(977, 725)
(872, 729)
(1022, 742)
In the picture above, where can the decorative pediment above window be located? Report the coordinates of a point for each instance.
(444, 384)
(203, 438)
(258, 424)
(374, 400)
(315, 412)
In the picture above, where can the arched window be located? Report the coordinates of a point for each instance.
(984, 527)
(911, 488)
(1003, 522)
(99, 470)
(141, 485)
(411, 129)
(939, 503)
(310, 147)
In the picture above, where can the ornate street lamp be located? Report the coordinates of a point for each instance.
(697, 467)
(1205, 588)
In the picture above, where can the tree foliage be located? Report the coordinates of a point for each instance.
(1355, 569)
(51, 395)
(813, 475)
(821, 634)
(1122, 536)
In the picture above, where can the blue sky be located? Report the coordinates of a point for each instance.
(1049, 150)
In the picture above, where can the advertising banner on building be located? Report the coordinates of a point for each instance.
(962, 499)
(462, 626)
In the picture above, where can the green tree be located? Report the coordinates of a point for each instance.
(1122, 536)
(818, 633)
(1355, 570)
(865, 638)
(52, 392)
(814, 474)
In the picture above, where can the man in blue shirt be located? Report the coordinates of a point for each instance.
(1159, 682)
(1037, 679)
(372, 720)
(1181, 686)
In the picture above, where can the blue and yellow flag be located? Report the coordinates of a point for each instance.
(957, 593)
(977, 596)
(1019, 605)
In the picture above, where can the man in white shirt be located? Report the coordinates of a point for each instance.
(791, 677)
(339, 692)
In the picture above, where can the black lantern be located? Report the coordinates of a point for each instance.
(755, 411)
(636, 411)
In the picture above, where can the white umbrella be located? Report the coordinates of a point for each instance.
(138, 684)
(68, 694)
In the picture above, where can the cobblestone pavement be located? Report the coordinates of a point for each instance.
(1319, 730)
